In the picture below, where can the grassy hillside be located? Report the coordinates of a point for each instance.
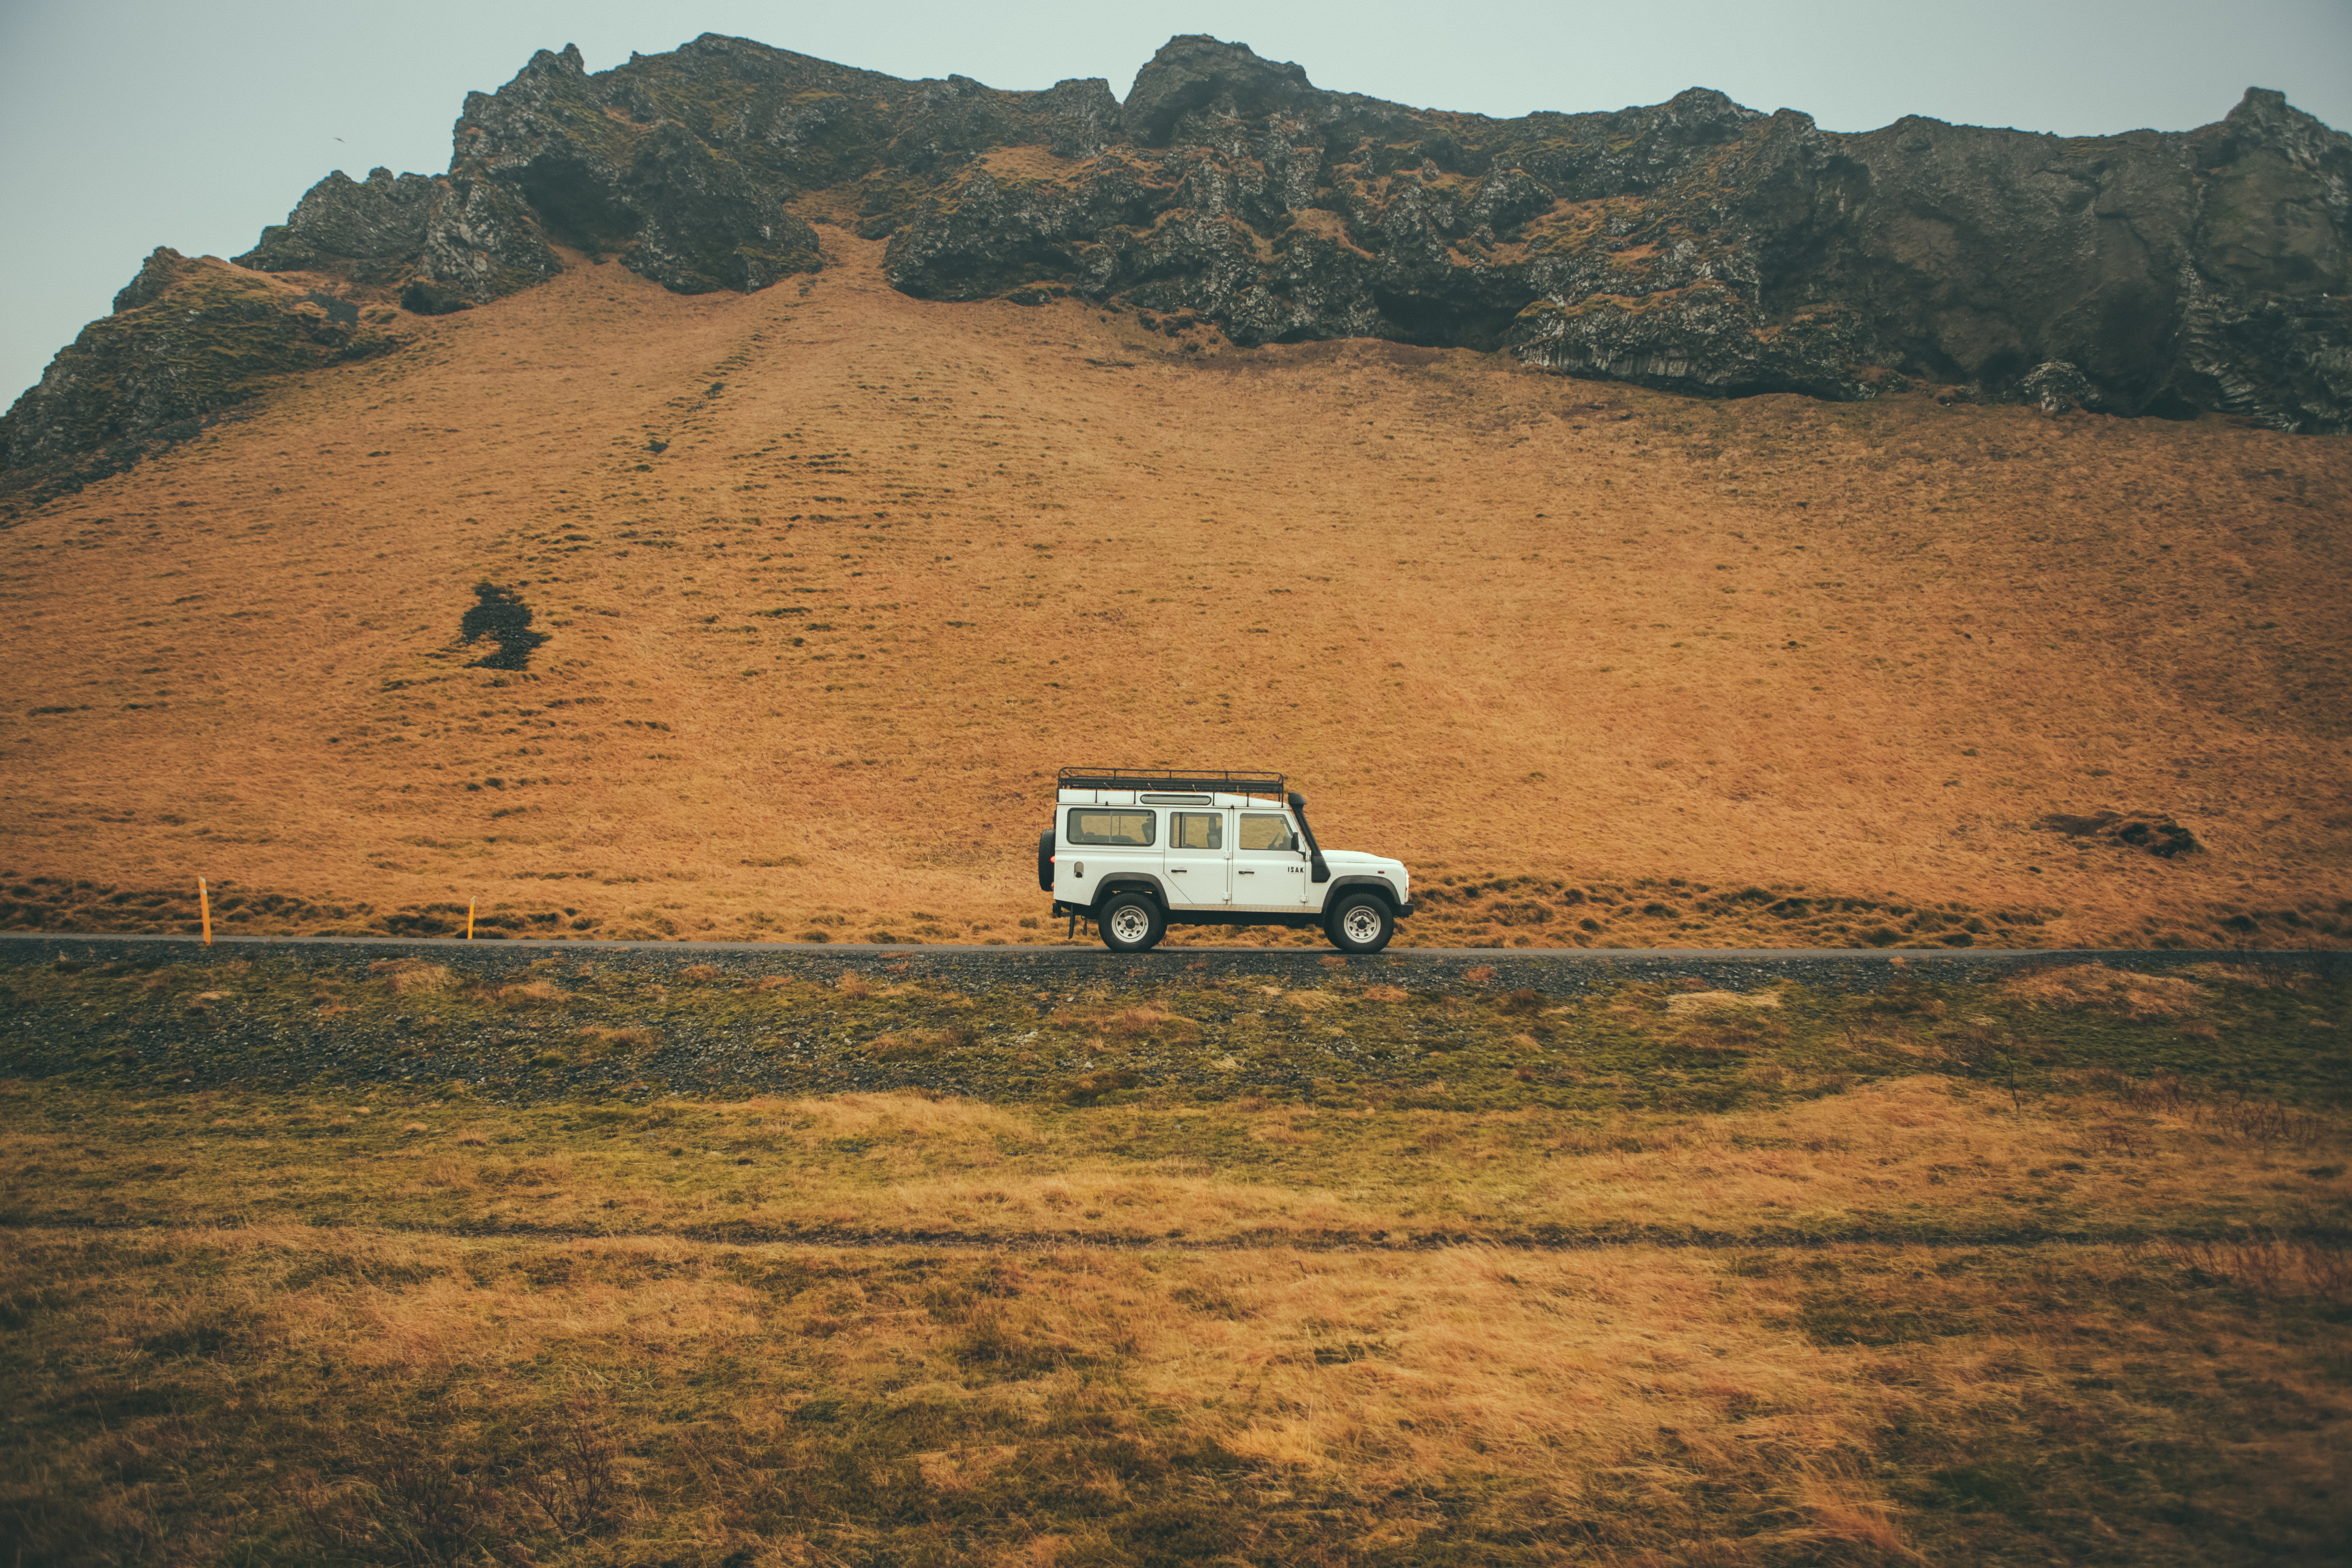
(830, 580)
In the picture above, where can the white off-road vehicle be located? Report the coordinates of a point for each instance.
(1136, 850)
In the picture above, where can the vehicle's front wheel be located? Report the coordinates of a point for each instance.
(1362, 922)
(1130, 922)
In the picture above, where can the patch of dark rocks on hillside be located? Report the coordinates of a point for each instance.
(2156, 833)
(500, 615)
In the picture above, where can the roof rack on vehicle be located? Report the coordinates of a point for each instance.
(1244, 781)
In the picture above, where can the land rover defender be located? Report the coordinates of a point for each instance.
(1136, 850)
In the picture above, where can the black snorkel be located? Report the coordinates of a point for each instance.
(1318, 871)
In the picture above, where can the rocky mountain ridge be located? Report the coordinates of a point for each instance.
(1694, 245)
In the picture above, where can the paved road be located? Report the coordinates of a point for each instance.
(1556, 970)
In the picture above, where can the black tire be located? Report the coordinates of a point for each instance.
(1045, 861)
(1360, 922)
(1130, 921)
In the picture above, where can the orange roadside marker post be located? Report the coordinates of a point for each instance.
(469, 919)
(204, 907)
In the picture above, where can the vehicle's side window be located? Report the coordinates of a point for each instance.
(1197, 830)
(1265, 831)
(1123, 830)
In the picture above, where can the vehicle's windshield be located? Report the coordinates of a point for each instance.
(1265, 831)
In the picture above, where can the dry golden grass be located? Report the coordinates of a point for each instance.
(1735, 1408)
(1720, 1001)
(811, 666)
(2115, 991)
(918, 1115)
(1918, 1157)
(2247, 974)
(1952, 1275)
(406, 976)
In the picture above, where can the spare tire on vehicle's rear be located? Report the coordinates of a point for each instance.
(1045, 861)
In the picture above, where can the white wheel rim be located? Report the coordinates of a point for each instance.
(1130, 924)
(1361, 923)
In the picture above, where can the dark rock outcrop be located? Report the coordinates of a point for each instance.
(1694, 245)
(1697, 245)
(548, 161)
(187, 340)
(2058, 388)
(368, 230)
(683, 166)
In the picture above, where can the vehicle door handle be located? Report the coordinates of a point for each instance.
(1175, 870)
(1246, 873)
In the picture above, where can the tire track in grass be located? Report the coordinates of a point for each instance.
(846, 1238)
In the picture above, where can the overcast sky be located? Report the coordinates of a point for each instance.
(134, 123)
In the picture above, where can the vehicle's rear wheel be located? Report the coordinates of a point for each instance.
(1362, 922)
(1045, 861)
(1130, 922)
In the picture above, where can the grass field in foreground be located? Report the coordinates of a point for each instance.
(2082, 1298)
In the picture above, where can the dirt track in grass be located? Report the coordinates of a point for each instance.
(832, 580)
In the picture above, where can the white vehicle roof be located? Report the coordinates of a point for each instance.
(1200, 800)
(1212, 787)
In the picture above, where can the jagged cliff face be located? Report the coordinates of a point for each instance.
(1694, 245)
(187, 340)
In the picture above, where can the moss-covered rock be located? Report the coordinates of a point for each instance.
(187, 340)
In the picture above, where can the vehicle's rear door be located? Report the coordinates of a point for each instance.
(1199, 860)
(1098, 842)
